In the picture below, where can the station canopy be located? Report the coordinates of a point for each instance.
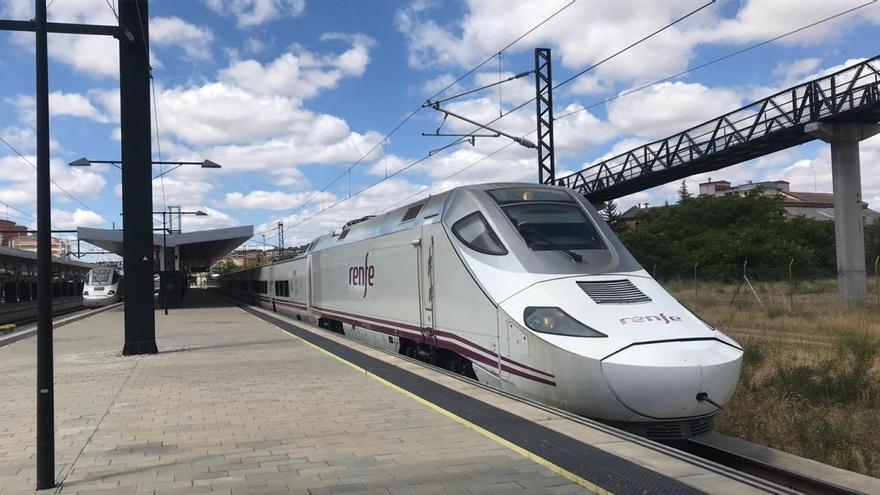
(198, 250)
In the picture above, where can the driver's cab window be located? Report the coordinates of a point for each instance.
(476, 234)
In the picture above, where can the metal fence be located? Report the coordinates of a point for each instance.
(766, 286)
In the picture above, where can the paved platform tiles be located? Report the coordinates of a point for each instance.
(233, 405)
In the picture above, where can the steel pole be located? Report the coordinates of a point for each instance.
(137, 201)
(164, 258)
(45, 380)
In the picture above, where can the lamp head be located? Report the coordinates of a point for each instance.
(80, 162)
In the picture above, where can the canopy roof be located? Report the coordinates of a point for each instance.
(198, 250)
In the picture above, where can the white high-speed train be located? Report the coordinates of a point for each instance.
(520, 286)
(103, 286)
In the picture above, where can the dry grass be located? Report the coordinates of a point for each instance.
(811, 375)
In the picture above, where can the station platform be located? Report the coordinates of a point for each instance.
(243, 401)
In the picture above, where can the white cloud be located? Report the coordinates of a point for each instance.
(254, 45)
(301, 74)
(215, 219)
(588, 32)
(93, 55)
(267, 200)
(60, 105)
(792, 72)
(670, 107)
(174, 31)
(65, 220)
(307, 223)
(582, 34)
(19, 176)
(249, 13)
(24, 138)
(761, 19)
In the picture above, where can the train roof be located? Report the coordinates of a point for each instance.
(399, 219)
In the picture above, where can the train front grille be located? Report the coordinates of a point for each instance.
(613, 292)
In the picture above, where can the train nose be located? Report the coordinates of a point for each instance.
(661, 380)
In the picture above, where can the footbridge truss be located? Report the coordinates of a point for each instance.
(763, 127)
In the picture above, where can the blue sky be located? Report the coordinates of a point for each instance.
(287, 94)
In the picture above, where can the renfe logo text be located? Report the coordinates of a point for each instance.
(362, 275)
(643, 319)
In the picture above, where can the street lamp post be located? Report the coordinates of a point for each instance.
(162, 258)
(85, 162)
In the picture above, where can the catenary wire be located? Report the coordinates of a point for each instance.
(477, 162)
(27, 215)
(597, 64)
(155, 104)
(412, 114)
(716, 60)
(502, 115)
(71, 196)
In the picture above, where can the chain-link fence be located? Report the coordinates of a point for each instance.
(771, 287)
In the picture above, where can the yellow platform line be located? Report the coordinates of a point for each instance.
(592, 487)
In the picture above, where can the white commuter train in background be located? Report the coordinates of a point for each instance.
(103, 286)
(523, 287)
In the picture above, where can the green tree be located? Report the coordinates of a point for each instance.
(223, 267)
(610, 213)
(721, 233)
(683, 194)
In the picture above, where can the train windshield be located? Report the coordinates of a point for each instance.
(101, 276)
(548, 220)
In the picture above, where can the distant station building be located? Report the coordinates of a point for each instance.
(16, 236)
(815, 205)
(178, 255)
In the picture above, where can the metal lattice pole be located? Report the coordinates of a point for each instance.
(544, 104)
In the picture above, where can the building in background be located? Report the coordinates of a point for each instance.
(9, 230)
(815, 205)
(60, 247)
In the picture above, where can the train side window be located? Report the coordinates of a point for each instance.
(476, 234)
(115, 277)
(412, 212)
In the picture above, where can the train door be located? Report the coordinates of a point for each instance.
(427, 283)
(502, 349)
(308, 276)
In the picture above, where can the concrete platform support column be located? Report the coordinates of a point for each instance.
(848, 220)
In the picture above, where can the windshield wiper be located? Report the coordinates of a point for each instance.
(524, 227)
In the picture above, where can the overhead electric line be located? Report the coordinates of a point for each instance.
(595, 65)
(418, 109)
(482, 159)
(502, 115)
(26, 216)
(71, 196)
(155, 104)
(719, 59)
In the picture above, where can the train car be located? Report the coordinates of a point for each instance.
(103, 286)
(522, 287)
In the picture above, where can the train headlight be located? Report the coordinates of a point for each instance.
(85, 292)
(110, 293)
(557, 322)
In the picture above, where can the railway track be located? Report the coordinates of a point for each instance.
(24, 328)
(762, 475)
(798, 474)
